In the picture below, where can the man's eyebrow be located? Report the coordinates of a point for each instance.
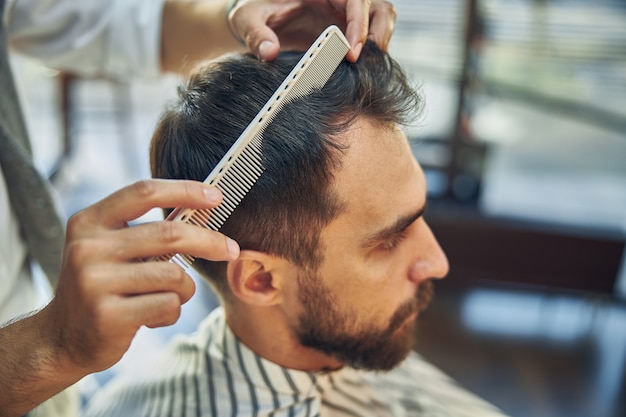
(398, 227)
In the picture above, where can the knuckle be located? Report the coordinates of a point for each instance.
(87, 282)
(172, 310)
(144, 188)
(77, 251)
(79, 262)
(87, 286)
(391, 9)
(169, 231)
(192, 188)
(176, 276)
(254, 36)
(97, 314)
(100, 317)
(385, 6)
(168, 276)
(166, 311)
(75, 224)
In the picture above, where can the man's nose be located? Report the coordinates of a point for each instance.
(431, 261)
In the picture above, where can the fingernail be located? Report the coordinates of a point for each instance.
(213, 195)
(264, 49)
(357, 49)
(233, 248)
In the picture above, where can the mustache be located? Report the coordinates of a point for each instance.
(425, 295)
(419, 303)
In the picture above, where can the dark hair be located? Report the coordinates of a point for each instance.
(291, 202)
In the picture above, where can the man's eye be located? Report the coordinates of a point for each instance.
(393, 242)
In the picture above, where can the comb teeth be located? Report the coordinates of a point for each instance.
(242, 165)
(234, 182)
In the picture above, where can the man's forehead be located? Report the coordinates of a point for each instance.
(376, 155)
(379, 181)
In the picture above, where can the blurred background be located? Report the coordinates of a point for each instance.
(523, 141)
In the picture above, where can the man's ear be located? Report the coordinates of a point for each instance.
(257, 278)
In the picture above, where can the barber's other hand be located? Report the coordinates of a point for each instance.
(270, 25)
(107, 291)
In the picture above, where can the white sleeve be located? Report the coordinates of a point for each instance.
(118, 38)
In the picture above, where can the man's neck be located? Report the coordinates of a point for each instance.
(266, 332)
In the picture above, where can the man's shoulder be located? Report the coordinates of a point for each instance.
(419, 385)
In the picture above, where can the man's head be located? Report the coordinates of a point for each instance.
(332, 233)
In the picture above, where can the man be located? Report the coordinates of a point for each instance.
(336, 259)
(104, 294)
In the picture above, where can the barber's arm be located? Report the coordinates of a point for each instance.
(268, 26)
(123, 38)
(117, 38)
(196, 30)
(106, 290)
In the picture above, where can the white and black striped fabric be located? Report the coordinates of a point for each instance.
(213, 374)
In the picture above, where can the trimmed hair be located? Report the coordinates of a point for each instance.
(285, 211)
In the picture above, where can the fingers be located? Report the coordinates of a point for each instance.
(152, 310)
(135, 200)
(157, 310)
(132, 296)
(105, 292)
(145, 278)
(382, 22)
(259, 21)
(98, 313)
(375, 20)
(251, 22)
(162, 238)
(357, 20)
(91, 231)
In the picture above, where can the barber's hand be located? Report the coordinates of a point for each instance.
(270, 25)
(107, 291)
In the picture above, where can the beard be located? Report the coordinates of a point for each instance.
(339, 332)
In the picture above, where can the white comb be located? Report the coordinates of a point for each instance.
(242, 165)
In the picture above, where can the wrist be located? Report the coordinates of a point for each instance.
(193, 31)
(54, 359)
(33, 367)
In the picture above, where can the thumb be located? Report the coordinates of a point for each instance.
(252, 26)
(263, 42)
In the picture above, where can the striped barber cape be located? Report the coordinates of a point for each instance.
(211, 373)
